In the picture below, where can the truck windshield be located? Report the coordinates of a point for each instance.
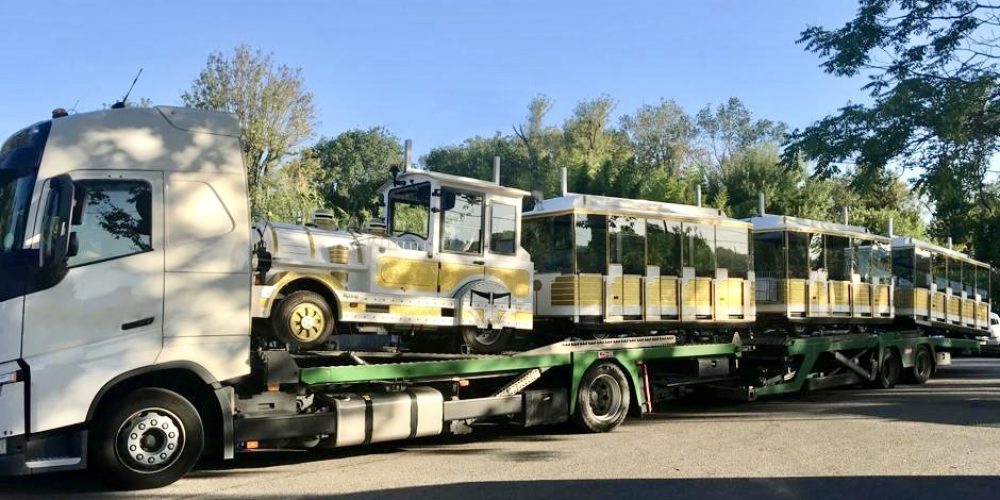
(20, 156)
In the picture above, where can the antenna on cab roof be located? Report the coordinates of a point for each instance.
(121, 104)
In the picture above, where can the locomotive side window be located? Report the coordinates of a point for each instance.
(409, 210)
(461, 221)
(503, 228)
(903, 267)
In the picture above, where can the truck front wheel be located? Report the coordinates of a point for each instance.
(603, 398)
(148, 439)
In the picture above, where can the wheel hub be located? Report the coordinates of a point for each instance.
(306, 322)
(605, 397)
(150, 440)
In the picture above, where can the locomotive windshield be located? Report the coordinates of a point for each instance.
(409, 210)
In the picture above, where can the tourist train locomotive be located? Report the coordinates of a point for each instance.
(455, 257)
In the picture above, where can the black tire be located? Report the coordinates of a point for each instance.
(923, 367)
(303, 320)
(486, 341)
(889, 371)
(174, 442)
(602, 401)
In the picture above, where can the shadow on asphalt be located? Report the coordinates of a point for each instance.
(811, 488)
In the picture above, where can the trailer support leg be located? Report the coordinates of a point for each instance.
(852, 364)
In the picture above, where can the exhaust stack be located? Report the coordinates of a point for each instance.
(697, 195)
(408, 155)
(563, 182)
(496, 170)
(890, 229)
(760, 203)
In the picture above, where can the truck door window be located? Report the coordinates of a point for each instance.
(115, 220)
(409, 210)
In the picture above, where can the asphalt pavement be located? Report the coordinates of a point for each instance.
(940, 440)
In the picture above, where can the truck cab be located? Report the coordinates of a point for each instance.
(140, 218)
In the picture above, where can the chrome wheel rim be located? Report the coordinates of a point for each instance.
(150, 440)
(605, 397)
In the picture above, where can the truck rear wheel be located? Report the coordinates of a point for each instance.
(889, 371)
(303, 320)
(603, 399)
(922, 367)
(148, 439)
(486, 341)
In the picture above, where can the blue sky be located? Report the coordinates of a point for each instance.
(437, 72)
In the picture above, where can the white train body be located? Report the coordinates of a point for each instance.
(451, 257)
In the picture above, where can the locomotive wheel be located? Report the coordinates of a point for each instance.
(303, 320)
(922, 367)
(486, 341)
(603, 399)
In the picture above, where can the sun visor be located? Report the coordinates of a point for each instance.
(201, 121)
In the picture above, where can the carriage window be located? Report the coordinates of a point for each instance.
(798, 255)
(114, 221)
(699, 248)
(969, 278)
(628, 243)
(903, 267)
(881, 262)
(839, 258)
(955, 275)
(769, 255)
(549, 240)
(461, 222)
(733, 250)
(983, 283)
(817, 259)
(663, 243)
(409, 210)
(939, 264)
(922, 260)
(503, 227)
(591, 244)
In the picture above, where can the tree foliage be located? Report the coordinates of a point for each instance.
(354, 165)
(932, 78)
(270, 101)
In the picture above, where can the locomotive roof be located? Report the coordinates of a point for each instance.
(415, 176)
(624, 206)
(769, 222)
(911, 242)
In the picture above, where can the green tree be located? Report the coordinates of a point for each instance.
(730, 128)
(354, 165)
(662, 137)
(933, 82)
(270, 101)
(292, 191)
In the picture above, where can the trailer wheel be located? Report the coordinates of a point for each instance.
(486, 341)
(889, 371)
(304, 320)
(148, 439)
(602, 401)
(922, 368)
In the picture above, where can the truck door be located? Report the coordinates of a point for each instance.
(462, 240)
(105, 316)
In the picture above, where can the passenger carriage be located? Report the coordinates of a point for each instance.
(941, 289)
(608, 266)
(818, 273)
